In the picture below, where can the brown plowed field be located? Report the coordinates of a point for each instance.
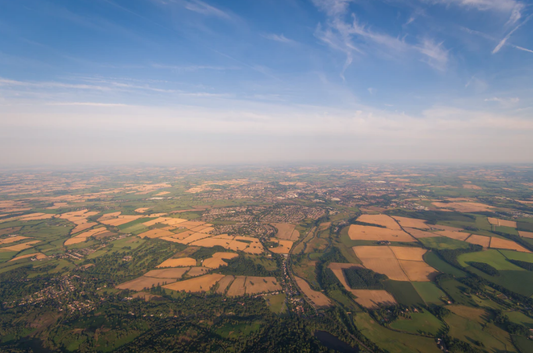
(453, 235)
(197, 271)
(318, 298)
(525, 234)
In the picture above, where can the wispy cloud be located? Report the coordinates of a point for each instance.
(205, 9)
(279, 38)
(434, 54)
(506, 38)
(505, 102)
(512, 7)
(342, 35)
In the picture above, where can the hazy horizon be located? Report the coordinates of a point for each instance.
(190, 82)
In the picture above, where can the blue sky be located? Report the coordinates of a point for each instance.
(189, 81)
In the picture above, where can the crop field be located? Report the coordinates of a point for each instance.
(429, 292)
(318, 298)
(403, 292)
(372, 298)
(224, 283)
(397, 263)
(197, 284)
(156, 233)
(519, 318)
(525, 234)
(181, 262)
(454, 290)
(479, 240)
(237, 288)
(418, 322)
(143, 282)
(38, 256)
(20, 247)
(12, 239)
(360, 232)
(443, 243)
(502, 222)
(337, 268)
(255, 285)
(142, 209)
(80, 238)
(464, 207)
(420, 233)
(276, 303)
(284, 246)
(247, 244)
(286, 231)
(453, 235)
(175, 273)
(393, 341)
(498, 243)
(411, 222)
(217, 259)
(197, 271)
(381, 220)
(515, 255)
(119, 220)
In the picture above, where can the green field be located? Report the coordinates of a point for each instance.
(429, 292)
(403, 292)
(135, 229)
(276, 303)
(454, 290)
(237, 330)
(520, 282)
(519, 318)
(492, 337)
(418, 322)
(433, 260)
(491, 257)
(516, 255)
(444, 243)
(523, 344)
(393, 341)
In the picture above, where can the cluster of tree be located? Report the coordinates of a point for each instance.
(483, 267)
(243, 266)
(450, 255)
(524, 264)
(362, 278)
(205, 253)
(325, 277)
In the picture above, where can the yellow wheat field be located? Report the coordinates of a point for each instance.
(255, 285)
(360, 232)
(182, 262)
(286, 231)
(497, 243)
(197, 271)
(237, 287)
(420, 233)
(139, 284)
(479, 240)
(156, 233)
(318, 298)
(38, 256)
(411, 222)
(197, 284)
(380, 219)
(502, 222)
(175, 273)
(217, 259)
(224, 283)
(371, 299)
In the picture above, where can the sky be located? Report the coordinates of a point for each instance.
(265, 81)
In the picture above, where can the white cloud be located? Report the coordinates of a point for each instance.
(434, 54)
(205, 9)
(512, 7)
(506, 38)
(505, 102)
(279, 38)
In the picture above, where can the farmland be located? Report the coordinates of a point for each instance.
(241, 260)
